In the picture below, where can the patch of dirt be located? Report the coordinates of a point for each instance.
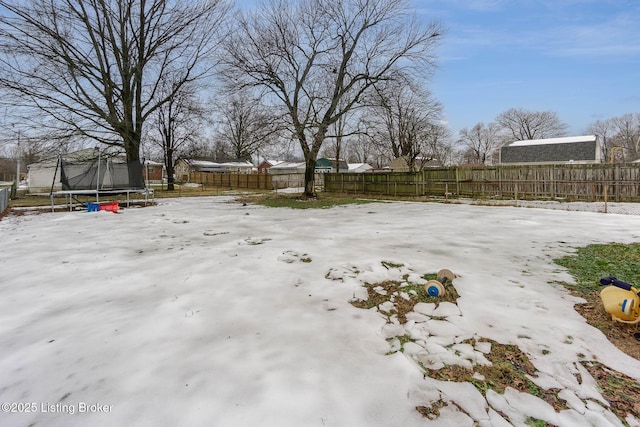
(22, 212)
(621, 391)
(431, 412)
(620, 334)
(415, 293)
(510, 367)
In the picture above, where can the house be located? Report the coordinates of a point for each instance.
(401, 164)
(184, 167)
(242, 166)
(265, 165)
(287, 168)
(573, 149)
(153, 172)
(360, 167)
(325, 165)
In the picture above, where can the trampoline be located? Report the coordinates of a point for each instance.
(97, 176)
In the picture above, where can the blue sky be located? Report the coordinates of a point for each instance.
(579, 58)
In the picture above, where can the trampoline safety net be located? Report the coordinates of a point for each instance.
(100, 173)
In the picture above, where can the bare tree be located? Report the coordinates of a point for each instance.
(438, 142)
(95, 67)
(340, 133)
(480, 141)
(522, 125)
(176, 125)
(317, 58)
(246, 125)
(361, 150)
(403, 116)
(604, 130)
(627, 134)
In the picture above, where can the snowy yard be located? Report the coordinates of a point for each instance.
(203, 312)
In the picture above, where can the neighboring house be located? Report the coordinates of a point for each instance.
(573, 149)
(287, 168)
(153, 172)
(243, 167)
(325, 165)
(184, 167)
(401, 164)
(360, 167)
(268, 164)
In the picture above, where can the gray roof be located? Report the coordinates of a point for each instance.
(552, 150)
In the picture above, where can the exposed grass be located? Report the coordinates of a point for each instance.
(622, 392)
(588, 265)
(593, 262)
(510, 367)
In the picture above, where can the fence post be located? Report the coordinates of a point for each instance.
(606, 185)
(553, 182)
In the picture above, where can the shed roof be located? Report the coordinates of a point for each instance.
(564, 140)
(288, 165)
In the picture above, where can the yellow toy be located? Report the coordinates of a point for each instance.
(621, 300)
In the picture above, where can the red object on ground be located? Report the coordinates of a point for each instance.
(109, 207)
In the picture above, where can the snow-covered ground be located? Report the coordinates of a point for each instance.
(203, 312)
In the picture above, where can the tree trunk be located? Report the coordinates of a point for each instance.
(170, 171)
(134, 168)
(309, 176)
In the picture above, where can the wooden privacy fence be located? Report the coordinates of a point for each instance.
(232, 180)
(254, 181)
(593, 182)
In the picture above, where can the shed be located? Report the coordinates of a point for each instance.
(573, 149)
